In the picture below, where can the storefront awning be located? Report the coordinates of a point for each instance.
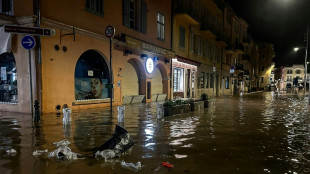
(188, 61)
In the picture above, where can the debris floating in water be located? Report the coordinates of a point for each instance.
(131, 166)
(39, 152)
(116, 145)
(167, 164)
(11, 152)
(63, 152)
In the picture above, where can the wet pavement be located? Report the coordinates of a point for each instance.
(254, 133)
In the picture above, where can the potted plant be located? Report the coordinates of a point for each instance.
(168, 107)
(204, 98)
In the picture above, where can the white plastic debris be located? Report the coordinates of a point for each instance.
(11, 152)
(64, 153)
(106, 154)
(39, 152)
(131, 166)
(62, 143)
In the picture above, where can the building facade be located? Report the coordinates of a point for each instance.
(73, 66)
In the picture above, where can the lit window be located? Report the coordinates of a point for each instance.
(177, 80)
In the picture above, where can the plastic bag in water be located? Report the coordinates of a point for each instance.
(39, 152)
(62, 143)
(11, 152)
(131, 166)
(106, 154)
(64, 153)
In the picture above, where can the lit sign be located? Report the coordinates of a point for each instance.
(149, 64)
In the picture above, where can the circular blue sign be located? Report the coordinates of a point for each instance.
(28, 42)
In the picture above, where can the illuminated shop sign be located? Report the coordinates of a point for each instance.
(149, 64)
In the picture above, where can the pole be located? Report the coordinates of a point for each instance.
(30, 79)
(111, 89)
(306, 66)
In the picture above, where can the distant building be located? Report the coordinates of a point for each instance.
(292, 76)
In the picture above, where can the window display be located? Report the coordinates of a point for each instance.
(8, 81)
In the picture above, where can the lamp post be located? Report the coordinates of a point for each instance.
(306, 56)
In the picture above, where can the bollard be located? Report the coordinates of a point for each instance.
(121, 113)
(160, 109)
(36, 111)
(66, 115)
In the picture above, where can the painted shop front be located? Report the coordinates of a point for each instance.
(184, 77)
(145, 74)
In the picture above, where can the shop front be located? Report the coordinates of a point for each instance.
(184, 77)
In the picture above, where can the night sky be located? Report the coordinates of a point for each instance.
(281, 22)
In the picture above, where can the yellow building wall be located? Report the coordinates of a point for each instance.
(157, 84)
(130, 85)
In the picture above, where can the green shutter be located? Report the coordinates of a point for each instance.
(126, 8)
(143, 17)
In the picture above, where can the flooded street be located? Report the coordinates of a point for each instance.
(254, 133)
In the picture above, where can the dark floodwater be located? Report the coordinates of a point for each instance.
(255, 133)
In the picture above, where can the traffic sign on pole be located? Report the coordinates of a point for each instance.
(110, 31)
(29, 30)
(28, 42)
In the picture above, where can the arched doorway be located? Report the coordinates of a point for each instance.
(159, 83)
(133, 88)
(91, 75)
(8, 81)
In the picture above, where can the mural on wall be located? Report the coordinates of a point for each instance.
(91, 76)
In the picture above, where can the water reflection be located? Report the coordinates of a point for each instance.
(255, 133)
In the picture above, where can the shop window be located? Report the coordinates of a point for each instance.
(8, 81)
(212, 81)
(178, 80)
(134, 14)
(94, 6)
(202, 80)
(160, 26)
(6, 7)
(91, 76)
(208, 80)
(227, 83)
(182, 37)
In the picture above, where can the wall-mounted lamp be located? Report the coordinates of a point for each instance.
(127, 52)
(167, 61)
(142, 56)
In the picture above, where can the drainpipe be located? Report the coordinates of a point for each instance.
(171, 47)
(39, 68)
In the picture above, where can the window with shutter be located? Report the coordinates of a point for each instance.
(94, 6)
(6, 7)
(182, 37)
(135, 14)
(160, 26)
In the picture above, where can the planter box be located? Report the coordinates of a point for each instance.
(196, 106)
(173, 110)
(186, 108)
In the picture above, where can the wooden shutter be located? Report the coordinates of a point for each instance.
(126, 8)
(143, 17)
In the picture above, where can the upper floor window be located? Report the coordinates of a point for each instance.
(289, 71)
(298, 71)
(134, 14)
(202, 80)
(182, 37)
(160, 26)
(6, 7)
(94, 6)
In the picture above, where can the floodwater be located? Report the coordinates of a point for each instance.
(254, 133)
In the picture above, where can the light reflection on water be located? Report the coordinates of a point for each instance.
(255, 133)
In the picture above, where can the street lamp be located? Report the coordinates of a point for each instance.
(306, 56)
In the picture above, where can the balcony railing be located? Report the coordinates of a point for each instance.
(7, 7)
(188, 7)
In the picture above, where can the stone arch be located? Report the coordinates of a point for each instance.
(164, 76)
(91, 75)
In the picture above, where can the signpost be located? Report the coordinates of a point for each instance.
(28, 42)
(29, 30)
(109, 32)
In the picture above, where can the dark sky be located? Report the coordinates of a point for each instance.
(281, 22)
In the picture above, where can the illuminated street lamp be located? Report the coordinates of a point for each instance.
(306, 56)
